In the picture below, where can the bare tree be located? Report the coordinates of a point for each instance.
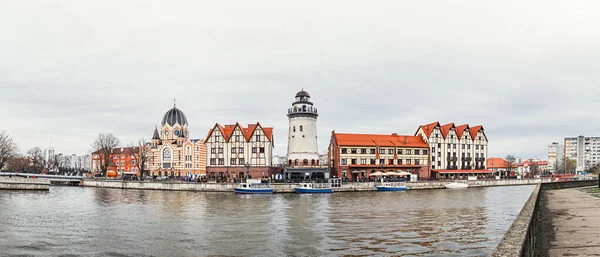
(141, 157)
(37, 159)
(8, 148)
(570, 166)
(103, 146)
(510, 163)
(18, 163)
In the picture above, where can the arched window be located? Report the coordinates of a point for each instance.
(303, 108)
(317, 162)
(296, 162)
(312, 162)
(305, 162)
(301, 128)
(290, 162)
(294, 128)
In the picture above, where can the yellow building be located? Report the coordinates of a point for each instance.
(172, 152)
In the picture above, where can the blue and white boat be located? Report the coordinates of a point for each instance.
(391, 186)
(313, 188)
(253, 188)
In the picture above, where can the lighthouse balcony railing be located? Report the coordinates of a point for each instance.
(290, 111)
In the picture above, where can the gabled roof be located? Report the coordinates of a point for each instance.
(446, 128)
(392, 140)
(460, 129)
(474, 131)
(228, 130)
(496, 163)
(155, 136)
(427, 129)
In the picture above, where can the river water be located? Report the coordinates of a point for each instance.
(79, 221)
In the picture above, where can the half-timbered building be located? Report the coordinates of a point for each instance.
(234, 151)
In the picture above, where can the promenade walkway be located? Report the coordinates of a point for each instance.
(575, 218)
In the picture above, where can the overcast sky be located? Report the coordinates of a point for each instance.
(528, 71)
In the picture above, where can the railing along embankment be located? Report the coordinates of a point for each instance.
(520, 239)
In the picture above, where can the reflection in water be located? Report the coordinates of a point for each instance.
(96, 221)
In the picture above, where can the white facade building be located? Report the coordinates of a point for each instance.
(302, 134)
(584, 150)
(455, 147)
(555, 155)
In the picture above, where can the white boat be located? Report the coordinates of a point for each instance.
(391, 186)
(456, 185)
(253, 188)
(312, 188)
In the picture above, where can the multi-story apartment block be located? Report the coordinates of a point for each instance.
(122, 159)
(584, 150)
(236, 151)
(555, 155)
(355, 156)
(455, 147)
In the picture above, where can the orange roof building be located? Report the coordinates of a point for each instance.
(122, 159)
(455, 147)
(355, 156)
(235, 151)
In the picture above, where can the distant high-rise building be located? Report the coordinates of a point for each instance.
(584, 150)
(49, 154)
(556, 153)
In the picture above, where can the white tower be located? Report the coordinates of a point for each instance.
(302, 134)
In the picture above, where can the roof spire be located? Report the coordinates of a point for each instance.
(174, 103)
(155, 136)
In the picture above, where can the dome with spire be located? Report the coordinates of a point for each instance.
(174, 116)
(302, 94)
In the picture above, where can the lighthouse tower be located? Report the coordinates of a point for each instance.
(302, 134)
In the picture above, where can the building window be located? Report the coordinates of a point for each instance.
(439, 154)
(449, 146)
(262, 150)
(399, 161)
(344, 150)
(391, 161)
(344, 162)
(373, 162)
(237, 138)
(372, 151)
(294, 128)
(381, 151)
(463, 147)
(363, 151)
(301, 128)
(213, 161)
(363, 161)
(454, 146)
(253, 149)
(469, 147)
(241, 161)
(399, 151)
(213, 150)
(232, 161)
(482, 147)
(417, 152)
(221, 161)
(257, 137)
(353, 161)
(424, 152)
(476, 147)
(408, 161)
(233, 150)
(221, 150)
(216, 138)
(390, 151)
(353, 151)
(417, 161)
(439, 145)
(433, 158)
(241, 150)
(381, 161)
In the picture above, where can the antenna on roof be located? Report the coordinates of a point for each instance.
(174, 102)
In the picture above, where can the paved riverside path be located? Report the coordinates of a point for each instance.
(575, 217)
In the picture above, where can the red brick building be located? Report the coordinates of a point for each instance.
(121, 160)
(355, 156)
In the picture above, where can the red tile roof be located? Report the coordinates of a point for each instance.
(496, 163)
(227, 131)
(446, 128)
(474, 131)
(460, 129)
(428, 128)
(393, 140)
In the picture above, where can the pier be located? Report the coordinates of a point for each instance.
(20, 183)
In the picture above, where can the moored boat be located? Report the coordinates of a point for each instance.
(456, 185)
(253, 188)
(391, 186)
(313, 188)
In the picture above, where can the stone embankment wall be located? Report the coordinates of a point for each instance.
(289, 188)
(18, 183)
(520, 239)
